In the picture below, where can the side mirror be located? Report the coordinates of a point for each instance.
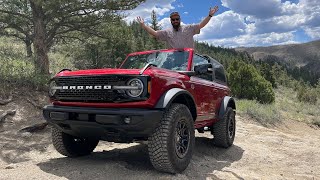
(203, 68)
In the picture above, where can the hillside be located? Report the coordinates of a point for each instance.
(300, 60)
(297, 54)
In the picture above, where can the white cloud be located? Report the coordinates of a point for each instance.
(309, 6)
(165, 23)
(144, 10)
(314, 33)
(260, 9)
(290, 8)
(278, 24)
(274, 16)
(311, 12)
(227, 24)
(267, 39)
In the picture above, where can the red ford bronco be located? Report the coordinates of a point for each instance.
(160, 96)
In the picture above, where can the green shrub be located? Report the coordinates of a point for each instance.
(265, 71)
(246, 82)
(307, 94)
(317, 88)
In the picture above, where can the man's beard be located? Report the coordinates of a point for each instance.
(176, 26)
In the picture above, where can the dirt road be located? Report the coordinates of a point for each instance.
(289, 151)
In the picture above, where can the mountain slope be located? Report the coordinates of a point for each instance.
(295, 54)
(303, 60)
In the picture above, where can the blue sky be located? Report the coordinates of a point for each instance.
(242, 22)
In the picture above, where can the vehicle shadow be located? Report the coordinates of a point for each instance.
(133, 163)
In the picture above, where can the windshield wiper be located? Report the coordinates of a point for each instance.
(146, 67)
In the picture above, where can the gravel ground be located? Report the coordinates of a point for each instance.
(289, 151)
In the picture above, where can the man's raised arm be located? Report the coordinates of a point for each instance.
(205, 21)
(147, 28)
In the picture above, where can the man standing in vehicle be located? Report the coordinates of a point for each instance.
(179, 36)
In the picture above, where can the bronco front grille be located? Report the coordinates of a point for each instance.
(93, 95)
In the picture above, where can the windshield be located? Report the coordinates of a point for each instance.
(174, 60)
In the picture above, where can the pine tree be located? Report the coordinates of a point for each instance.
(42, 23)
(155, 25)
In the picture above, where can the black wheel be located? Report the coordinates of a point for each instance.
(71, 146)
(171, 145)
(224, 130)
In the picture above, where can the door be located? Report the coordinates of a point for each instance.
(203, 91)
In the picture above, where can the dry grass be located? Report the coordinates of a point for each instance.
(286, 106)
(265, 114)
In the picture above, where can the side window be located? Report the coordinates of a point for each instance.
(197, 60)
(219, 72)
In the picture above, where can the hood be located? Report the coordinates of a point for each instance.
(152, 71)
(99, 72)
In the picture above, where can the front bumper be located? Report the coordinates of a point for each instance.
(117, 125)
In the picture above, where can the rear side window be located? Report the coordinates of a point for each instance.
(220, 75)
(197, 60)
(219, 72)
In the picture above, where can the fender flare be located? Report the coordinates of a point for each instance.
(167, 98)
(226, 102)
(171, 95)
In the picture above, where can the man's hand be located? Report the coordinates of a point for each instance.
(140, 20)
(213, 11)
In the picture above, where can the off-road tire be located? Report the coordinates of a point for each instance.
(224, 130)
(171, 145)
(71, 146)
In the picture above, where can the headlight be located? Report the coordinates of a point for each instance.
(52, 88)
(137, 89)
